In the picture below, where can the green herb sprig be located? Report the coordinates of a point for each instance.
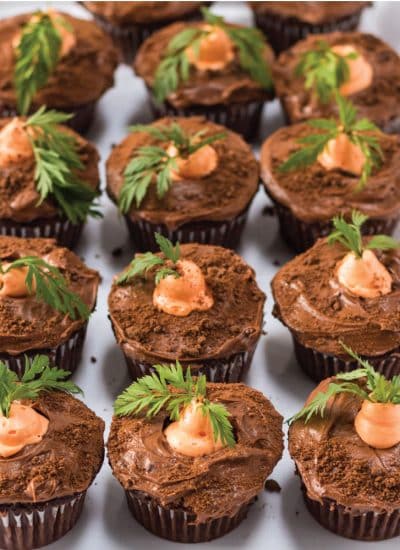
(174, 68)
(350, 236)
(49, 286)
(154, 392)
(324, 70)
(377, 388)
(152, 162)
(38, 377)
(142, 263)
(363, 133)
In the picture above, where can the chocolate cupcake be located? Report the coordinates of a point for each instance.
(313, 174)
(51, 448)
(192, 466)
(46, 296)
(343, 290)
(48, 178)
(346, 446)
(210, 177)
(195, 303)
(211, 68)
(130, 23)
(53, 59)
(360, 66)
(285, 23)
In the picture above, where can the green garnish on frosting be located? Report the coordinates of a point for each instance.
(38, 377)
(143, 262)
(173, 390)
(324, 70)
(57, 160)
(363, 133)
(174, 67)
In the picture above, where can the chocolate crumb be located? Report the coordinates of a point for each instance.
(93, 359)
(272, 486)
(117, 252)
(268, 210)
(277, 263)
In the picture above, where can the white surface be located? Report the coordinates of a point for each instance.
(278, 519)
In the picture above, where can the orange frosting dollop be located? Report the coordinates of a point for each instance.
(24, 426)
(192, 434)
(361, 72)
(181, 295)
(341, 153)
(15, 145)
(216, 50)
(13, 283)
(199, 164)
(378, 424)
(366, 277)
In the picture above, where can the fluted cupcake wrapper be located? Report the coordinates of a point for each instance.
(177, 524)
(23, 527)
(66, 356)
(319, 366)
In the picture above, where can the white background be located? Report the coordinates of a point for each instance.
(281, 519)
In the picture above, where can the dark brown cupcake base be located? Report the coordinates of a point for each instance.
(66, 356)
(177, 524)
(319, 366)
(65, 232)
(27, 526)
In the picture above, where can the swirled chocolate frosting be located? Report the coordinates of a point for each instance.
(209, 486)
(310, 12)
(315, 194)
(27, 323)
(19, 198)
(81, 76)
(230, 85)
(335, 464)
(380, 102)
(320, 312)
(64, 462)
(232, 325)
(220, 196)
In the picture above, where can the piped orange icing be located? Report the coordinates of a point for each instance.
(378, 424)
(199, 164)
(14, 143)
(192, 434)
(366, 277)
(13, 283)
(182, 295)
(24, 426)
(361, 72)
(341, 153)
(216, 50)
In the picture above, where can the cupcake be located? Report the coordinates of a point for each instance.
(319, 169)
(345, 289)
(197, 185)
(210, 68)
(196, 303)
(285, 23)
(48, 178)
(192, 461)
(130, 23)
(53, 59)
(345, 443)
(359, 66)
(51, 448)
(46, 297)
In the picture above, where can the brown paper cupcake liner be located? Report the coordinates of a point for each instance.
(367, 526)
(227, 233)
(319, 366)
(177, 524)
(66, 356)
(63, 230)
(27, 526)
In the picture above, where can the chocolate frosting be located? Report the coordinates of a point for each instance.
(28, 324)
(129, 13)
(221, 196)
(81, 77)
(334, 463)
(380, 102)
(19, 198)
(310, 12)
(314, 194)
(320, 312)
(230, 85)
(232, 325)
(64, 462)
(211, 486)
